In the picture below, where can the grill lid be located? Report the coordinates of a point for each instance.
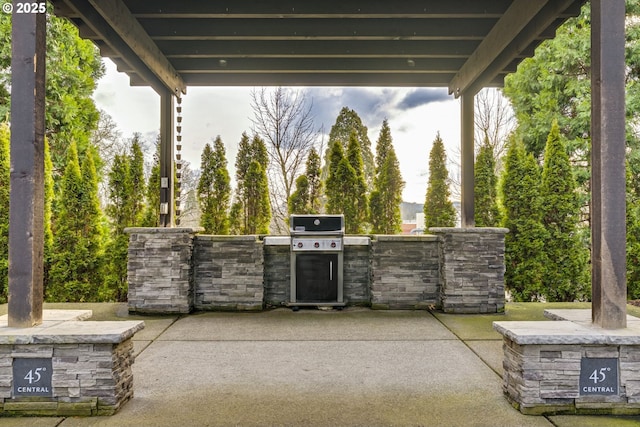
(300, 224)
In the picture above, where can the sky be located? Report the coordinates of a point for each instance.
(415, 116)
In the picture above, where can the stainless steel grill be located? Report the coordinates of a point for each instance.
(316, 260)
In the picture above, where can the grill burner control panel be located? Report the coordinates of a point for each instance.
(316, 244)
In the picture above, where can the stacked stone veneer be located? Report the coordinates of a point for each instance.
(542, 363)
(228, 273)
(177, 270)
(472, 269)
(91, 364)
(159, 270)
(405, 272)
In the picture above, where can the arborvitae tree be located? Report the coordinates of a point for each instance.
(486, 209)
(120, 210)
(386, 197)
(138, 185)
(633, 237)
(335, 187)
(346, 188)
(438, 209)
(214, 189)
(306, 198)
(565, 278)
(4, 212)
(346, 123)
(151, 216)
(257, 207)
(524, 244)
(48, 206)
(313, 171)
(249, 212)
(75, 273)
(94, 228)
(358, 194)
(299, 200)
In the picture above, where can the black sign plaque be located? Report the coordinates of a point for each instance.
(598, 377)
(32, 377)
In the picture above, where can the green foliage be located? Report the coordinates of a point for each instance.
(119, 211)
(151, 215)
(76, 262)
(299, 200)
(524, 244)
(125, 209)
(438, 209)
(565, 278)
(346, 123)
(138, 185)
(251, 211)
(49, 197)
(73, 67)
(555, 84)
(386, 197)
(633, 234)
(313, 172)
(4, 212)
(486, 209)
(345, 186)
(214, 189)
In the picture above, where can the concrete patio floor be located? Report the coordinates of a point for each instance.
(355, 367)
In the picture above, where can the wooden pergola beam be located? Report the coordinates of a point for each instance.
(116, 14)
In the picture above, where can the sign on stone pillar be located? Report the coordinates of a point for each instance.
(608, 230)
(26, 211)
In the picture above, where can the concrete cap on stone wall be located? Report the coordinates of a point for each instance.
(163, 230)
(473, 230)
(73, 332)
(405, 238)
(229, 238)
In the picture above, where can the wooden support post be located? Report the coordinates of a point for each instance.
(26, 210)
(166, 159)
(467, 160)
(608, 228)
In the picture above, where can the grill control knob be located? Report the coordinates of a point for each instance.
(299, 244)
(316, 245)
(333, 244)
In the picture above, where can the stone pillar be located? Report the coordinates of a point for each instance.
(160, 270)
(472, 269)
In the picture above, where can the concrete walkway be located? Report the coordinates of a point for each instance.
(354, 367)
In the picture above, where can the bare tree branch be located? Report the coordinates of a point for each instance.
(284, 119)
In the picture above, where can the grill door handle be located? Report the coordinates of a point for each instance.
(330, 270)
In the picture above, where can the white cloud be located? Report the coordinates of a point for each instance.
(415, 117)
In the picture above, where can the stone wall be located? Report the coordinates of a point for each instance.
(472, 269)
(159, 270)
(458, 270)
(357, 274)
(404, 272)
(277, 270)
(228, 273)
